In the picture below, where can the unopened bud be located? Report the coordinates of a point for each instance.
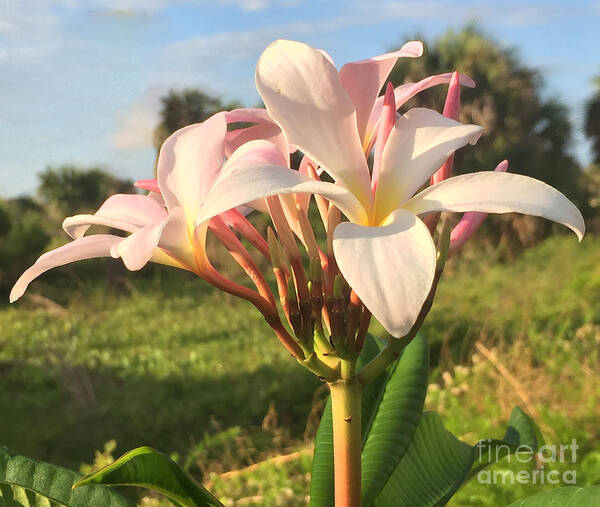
(275, 250)
(338, 287)
(307, 233)
(443, 245)
(314, 270)
(291, 289)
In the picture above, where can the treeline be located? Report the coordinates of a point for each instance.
(521, 124)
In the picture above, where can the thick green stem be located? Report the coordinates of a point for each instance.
(319, 368)
(346, 409)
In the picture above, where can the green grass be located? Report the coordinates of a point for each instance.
(193, 372)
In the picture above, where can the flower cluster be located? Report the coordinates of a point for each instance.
(366, 166)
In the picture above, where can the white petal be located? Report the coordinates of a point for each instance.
(303, 94)
(364, 79)
(189, 162)
(391, 267)
(89, 247)
(496, 192)
(137, 249)
(127, 212)
(176, 239)
(251, 183)
(248, 115)
(254, 153)
(418, 145)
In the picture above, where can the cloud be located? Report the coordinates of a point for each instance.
(135, 126)
(238, 45)
(154, 6)
(510, 13)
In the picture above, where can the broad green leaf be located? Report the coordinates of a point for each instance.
(434, 462)
(437, 463)
(321, 480)
(148, 468)
(321, 484)
(567, 496)
(521, 432)
(27, 482)
(394, 419)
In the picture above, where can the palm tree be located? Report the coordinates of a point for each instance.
(181, 108)
(592, 121)
(532, 132)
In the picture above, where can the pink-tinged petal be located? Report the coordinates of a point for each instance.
(253, 153)
(84, 248)
(470, 222)
(190, 161)
(391, 268)
(497, 192)
(303, 94)
(137, 249)
(403, 94)
(150, 185)
(248, 115)
(385, 128)
(127, 212)
(419, 143)
(267, 131)
(364, 79)
(251, 183)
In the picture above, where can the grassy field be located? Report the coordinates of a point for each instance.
(196, 373)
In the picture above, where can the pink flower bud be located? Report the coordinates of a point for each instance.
(150, 185)
(451, 110)
(388, 120)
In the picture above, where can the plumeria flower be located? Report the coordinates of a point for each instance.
(384, 251)
(160, 226)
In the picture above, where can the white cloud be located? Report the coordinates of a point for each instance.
(135, 127)
(238, 45)
(511, 13)
(153, 6)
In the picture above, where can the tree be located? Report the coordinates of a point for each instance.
(534, 133)
(23, 238)
(68, 189)
(592, 121)
(182, 108)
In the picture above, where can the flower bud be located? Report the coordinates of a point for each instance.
(443, 245)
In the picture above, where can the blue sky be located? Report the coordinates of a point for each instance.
(80, 82)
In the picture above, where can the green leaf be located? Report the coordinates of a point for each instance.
(28, 482)
(434, 462)
(321, 484)
(522, 432)
(321, 481)
(393, 421)
(567, 496)
(148, 468)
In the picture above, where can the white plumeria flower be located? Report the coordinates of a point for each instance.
(385, 252)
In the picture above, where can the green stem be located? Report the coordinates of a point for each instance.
(379, 363)
(319, 368)
(346, 409)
